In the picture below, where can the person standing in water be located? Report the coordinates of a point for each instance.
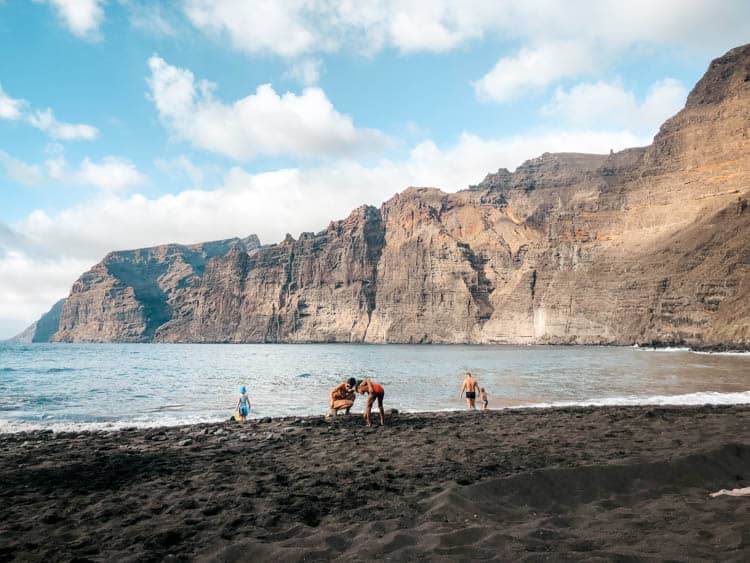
(374, 391)
(470, 387)
(243, 404)
(485, 400)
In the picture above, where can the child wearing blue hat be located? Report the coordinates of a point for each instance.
(243, 404)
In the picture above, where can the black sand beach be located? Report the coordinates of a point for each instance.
(578, 484)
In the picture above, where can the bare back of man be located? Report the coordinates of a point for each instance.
(470, 387)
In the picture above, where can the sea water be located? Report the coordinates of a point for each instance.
(76, 386)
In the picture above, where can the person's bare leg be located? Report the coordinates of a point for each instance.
(382, 412)
(368, 409)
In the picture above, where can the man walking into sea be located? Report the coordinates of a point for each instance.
(470, 387)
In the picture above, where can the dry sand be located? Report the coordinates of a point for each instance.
(600, 484)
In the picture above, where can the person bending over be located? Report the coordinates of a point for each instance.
(342, 397)
(374, 391)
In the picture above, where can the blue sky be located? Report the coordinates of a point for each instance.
(126, 123)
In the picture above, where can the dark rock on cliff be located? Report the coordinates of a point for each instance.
(648, 244)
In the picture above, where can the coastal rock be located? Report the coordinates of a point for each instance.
(646, 245)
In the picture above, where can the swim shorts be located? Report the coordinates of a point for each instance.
(244, 411)
(471, 395)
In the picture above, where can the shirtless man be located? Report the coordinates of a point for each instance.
(374, 391)
(470, 387)
(342, 397)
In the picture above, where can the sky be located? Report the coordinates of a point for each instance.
(127, 123)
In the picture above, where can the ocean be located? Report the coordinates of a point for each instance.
(90, 386)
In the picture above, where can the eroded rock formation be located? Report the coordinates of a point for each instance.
(646, 245)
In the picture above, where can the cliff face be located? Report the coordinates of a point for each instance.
(130, 294)
(648, 244)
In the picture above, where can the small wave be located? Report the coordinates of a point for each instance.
(305, 375)
(7, 370)
(14, 426)
(704, 398)
(41, 400)
(665, 349)
(741, 353)
(167, 408)
(59, 370)
(737, 354)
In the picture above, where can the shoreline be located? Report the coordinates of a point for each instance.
(573, 483)
(697, 399)
(723, 348)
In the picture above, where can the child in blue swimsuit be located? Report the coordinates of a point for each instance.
(243, 404)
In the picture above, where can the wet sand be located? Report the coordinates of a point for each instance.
(577, 484)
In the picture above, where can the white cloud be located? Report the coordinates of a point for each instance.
(419, 29)
(261, 123)
(82, 17)
(10, 108)
(45, 121)
(554, 39)
(182, 165)
(150, 18)
(297, 27)
(664, 99)
(306, 71)
(535, 68)
(265, 25)
(110, 174)
(610, 105)
(19, 171)
(268, 204)
(272, 203)
(29, 285)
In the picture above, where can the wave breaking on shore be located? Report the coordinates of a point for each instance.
(688, 399)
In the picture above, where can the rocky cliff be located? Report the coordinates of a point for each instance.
(646, 245)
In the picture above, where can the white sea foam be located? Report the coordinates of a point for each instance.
(13, 426)
(696, 399)
(665, 349)
(685, 349)
(703, 398)
(738, 354)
